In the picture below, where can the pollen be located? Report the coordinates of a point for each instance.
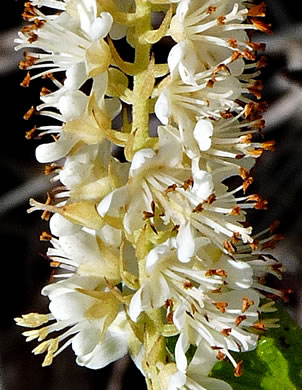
(26, 81)
(240, 319)
(29, 113)
(238, 369)
(221, 306)
(246, 304)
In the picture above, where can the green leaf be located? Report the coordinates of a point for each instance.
(275, 364)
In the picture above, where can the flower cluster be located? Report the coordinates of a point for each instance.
(155, 244)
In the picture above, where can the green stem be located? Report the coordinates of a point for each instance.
(140, 124)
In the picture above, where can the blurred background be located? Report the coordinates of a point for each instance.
(278, 178)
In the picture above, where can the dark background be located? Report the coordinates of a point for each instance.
(278, 178)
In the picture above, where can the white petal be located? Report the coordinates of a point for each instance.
(87, 339)
(60, 226)
(101, 26)
(170, 149)
(203, 184)
(157, 255)
(76, 75)
(162, 107)
(185, 243)
(181, 347)
(70, 306)
(72, 105)
(113, 202)
(135, 307)
(177, 381)
(202, 133)
(112, 347)
(54, 151)
(141, 158)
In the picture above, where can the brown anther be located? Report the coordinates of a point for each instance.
(254, 245)
(168, 303)
(232, 42)
(29, 11)
(32, 37)
(221, 306)
(45, 91)
(46, 214)
(175, 228)
(262, 62)
(226, 332)
(256, 152)
(153, 205)
(246, 303)
(55, 264)
(271, 244)
(238, 369)
(188, 285)
(269, 145)
(148, 214)
(249, 55)
(198, 208)
(274, 226)
(261, 204)
(260, 124)
(244, 173)
(235, 210)
(216, 348)
(246, 139)
(210, 83)
(240, 319)
(222, 68)
(235, 238)
(218, 272)
(256, 89)
(30, 133)
(29, 113)
(27, 62)
(226, 115)
(153, 228)
(49, 169)
(285, 294)
(266, 28)
(39, 23)
(171, 188)
(221, 355)
(278, 268)
(211, 199)
(239, 156)
(228, 245)
(26, 81)
(259, 326)
(188, 183)
(216, 290)
(194, 308)
(221, 20)
(258, 10)
(236, 55)
(247, 183)
(45, 236)
(257, 46)
(211, 9)
(169, 317)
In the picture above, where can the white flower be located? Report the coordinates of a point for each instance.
(217, 31)
(71, 41)
(196, 376)
(90, 318)
(196, 92)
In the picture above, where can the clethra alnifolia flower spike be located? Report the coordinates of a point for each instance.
(152, 244)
